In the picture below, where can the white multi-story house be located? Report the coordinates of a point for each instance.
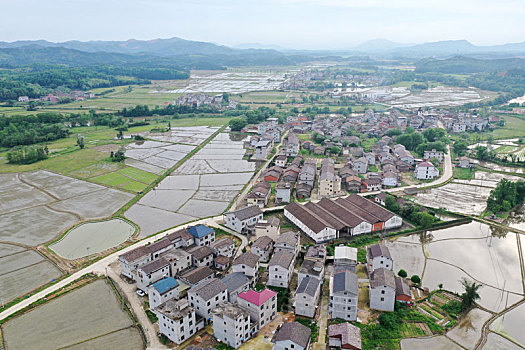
(130, 261)
(434, 154)
(201, 256)
(231, 324)
(179, 260)
(288, 241)
(263, 247)
(203, 235)
(152, 272)
(244, 219)
(311, 267)
(345, 258)
(268, 227)
(344, 293)
(177, 320)
(360, 165)
(224, 247)
(280, 161)
(329, 183)
(181, 238)
(378, 256)
(425, 171)
(262, 306)
(236, 282)
(382, 290)
(390, 179)
(247, 263)
(206, 296)
(197, 275)
(163, 290)
(280, 268)
(291, 147)
(292, 335)
(262, 149)
(307, 297)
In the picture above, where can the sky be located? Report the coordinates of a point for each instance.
(299, 24)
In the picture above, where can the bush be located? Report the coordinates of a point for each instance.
(415, 279)
(402, 273)
(27, 154)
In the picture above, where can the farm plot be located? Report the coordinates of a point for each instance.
(201, 187)
(511, 325)
(87, 315)
(438, 96)
(498, 167)
(491, 260)
(456, 197)
(407, 256)
(92, 238)
(497, 342)
(22, 271)
(439, 342)
(232, 82)
(468, 331)
(53, 203)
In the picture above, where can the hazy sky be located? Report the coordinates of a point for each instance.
(290, 23)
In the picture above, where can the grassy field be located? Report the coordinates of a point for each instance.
(514, 127)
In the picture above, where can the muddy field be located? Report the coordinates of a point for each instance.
(438, 96)
(201, 187)
(511, 325)
(92, 238)
(84, 318)
(22, 271)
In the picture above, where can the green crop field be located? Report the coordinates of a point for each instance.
(139, 175)
(112, 179)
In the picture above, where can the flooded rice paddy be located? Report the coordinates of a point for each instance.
(92, 238)
(87, 318)
(202, 186)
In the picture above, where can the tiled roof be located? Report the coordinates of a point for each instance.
(136, 253)
(283, 258)
(308, 285)
(154, 265)
(200, 231)
(349, 334)
(208, 289)
(295, 332)
(289, 237)
(198, 274)
(200, 252)
(345, 281)
(263, 242)
(257, 298)
(250, 259)
(165, 285)
(235, 280)
(247, 212)
(378, 250)
(382, 277)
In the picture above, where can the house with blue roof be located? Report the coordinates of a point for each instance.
(202, 234)
(163, 290)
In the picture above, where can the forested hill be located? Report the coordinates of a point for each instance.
(466, 65)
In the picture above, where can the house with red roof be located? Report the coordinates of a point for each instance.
(262, 306)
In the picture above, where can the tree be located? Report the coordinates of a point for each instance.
(119, 155)
(80, 141)
(434, 134)
(391, 204)
(460, 147)
(482, 153)
(402, 273)
(426, 220)
(440, 286)
(236, 124)
(469, 297)
(415, 279)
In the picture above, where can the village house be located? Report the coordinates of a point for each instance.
(262, 149)
(244, 219)
(345, 258)
(380, 198)
(247, 263)
(280, 161)
(224, 246)
(343, 295)
(178, 259)
(292, 335)
(281, 268)
(373, 184)
(181, 238)
(403, 291)
(382, 290)
(201, 256)
(203, 235)
(263, 247)
(222, 262)
(273, 174)
(231, 324)
(360, 165)
(177, 320)
(268, 227)
(378, 256)
(291, 146)
(163, 290)
(426, 171)
(262, 306)
(307, 174)
(311, 268)
(236, 282)
(390, 179)
(465, 162)
(344, 336)
(434, 154)
(288, 241)
(352, 183)
(152, 272)
(291, 173)
(197, 275)
(283, 192)
(329, 183)
(130, 261)
(206, 296)
(405, 156)
(274, 134)
(307, 296)
(303, 190)
(260, 194)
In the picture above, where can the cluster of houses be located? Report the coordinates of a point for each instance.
(329, 219)
(59, 95)
(268, 134)
(461, 122)
(199, 99)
